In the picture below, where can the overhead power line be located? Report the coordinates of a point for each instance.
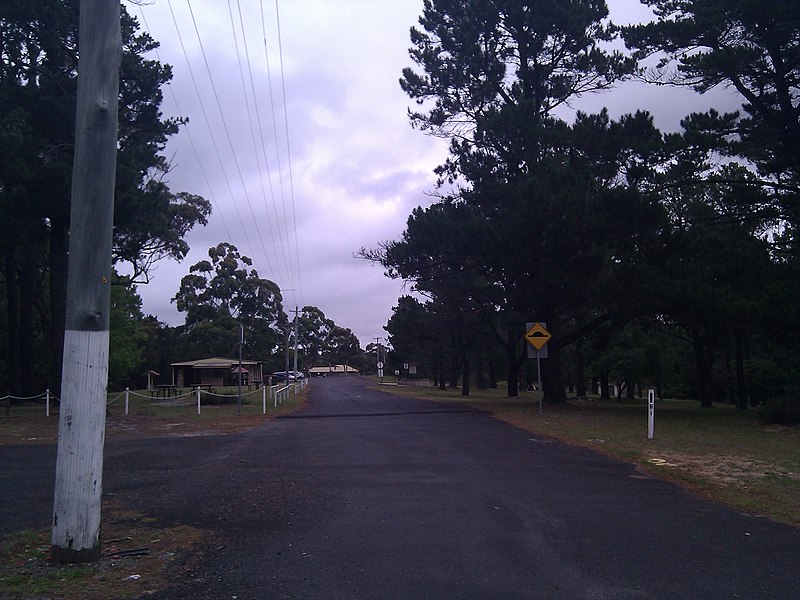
(282, 259)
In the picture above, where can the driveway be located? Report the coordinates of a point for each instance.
(374, 496)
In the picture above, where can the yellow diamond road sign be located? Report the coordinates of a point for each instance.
(537, 336)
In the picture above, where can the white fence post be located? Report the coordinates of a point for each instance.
(47, 396)
(198, 400)
(651, 413)
(263, 400)
(127, 399)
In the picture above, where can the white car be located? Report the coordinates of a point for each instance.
(292, 375)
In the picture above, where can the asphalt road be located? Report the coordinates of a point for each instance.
(365, 495)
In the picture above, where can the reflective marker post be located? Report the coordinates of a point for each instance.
(651, 412)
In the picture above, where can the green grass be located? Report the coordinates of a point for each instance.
(727, 455)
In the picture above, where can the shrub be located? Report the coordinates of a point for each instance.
(782, 412)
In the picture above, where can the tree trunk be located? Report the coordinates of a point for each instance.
(703, 362)
(605, 393)
(480, 379)
(442, 382)
(512, 364)
(741, 384)
(454, 371)
(465, 374)
(59, 255)
(551, 376)
(492, 373)
(27, 288)
(580, 376)
(12, 310)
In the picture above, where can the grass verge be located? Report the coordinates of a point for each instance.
(723, 454)
(152, 417)
(139, 558)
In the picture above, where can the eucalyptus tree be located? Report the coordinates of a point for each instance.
(343, 347)
(221, 295)
(321, 341)
(314, 329)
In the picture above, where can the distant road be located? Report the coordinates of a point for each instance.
(366, 495)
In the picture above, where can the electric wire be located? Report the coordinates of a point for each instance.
(285, 219)
(288, 151)
(282, 231)
(281, 225)
(263, 144)
(250, 122)
(234, 155)
(212, 195)
(208, 126)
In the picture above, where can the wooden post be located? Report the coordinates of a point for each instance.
(81, 428)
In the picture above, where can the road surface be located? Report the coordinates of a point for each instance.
(366, 495)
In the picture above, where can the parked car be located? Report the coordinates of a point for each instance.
(288, 375)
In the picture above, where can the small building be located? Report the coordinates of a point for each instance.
(332, 370)
(217, 372)
(149, 374)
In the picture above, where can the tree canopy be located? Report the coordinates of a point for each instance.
(752, 48)
(38, 74)
(606, 228)
(221, 295)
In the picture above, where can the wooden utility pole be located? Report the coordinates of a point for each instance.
(296, 337)
(81, 427)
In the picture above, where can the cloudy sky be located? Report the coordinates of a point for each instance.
(299, 137)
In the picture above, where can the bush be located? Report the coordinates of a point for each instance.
(782, 412)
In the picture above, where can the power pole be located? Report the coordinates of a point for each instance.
(296, 311)
(81, 427)
(378, 364)
(286, 346)
(239, 397)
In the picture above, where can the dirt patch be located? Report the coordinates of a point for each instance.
(122, 427)
(720, 470)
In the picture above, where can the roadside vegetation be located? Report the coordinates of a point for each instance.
(726, 455)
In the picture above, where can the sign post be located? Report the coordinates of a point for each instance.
(651, 413)
(537, 336)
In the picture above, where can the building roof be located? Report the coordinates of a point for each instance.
(333, 369)
(214, 363)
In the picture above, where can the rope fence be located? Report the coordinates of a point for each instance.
(276, 394)
(46, 396)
